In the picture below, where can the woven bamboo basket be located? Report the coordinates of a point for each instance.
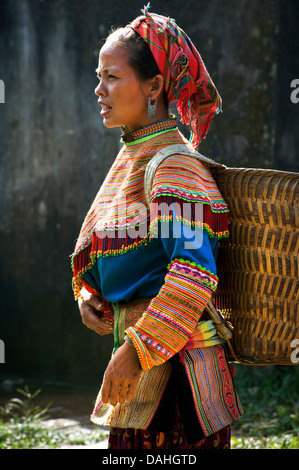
(258, 265)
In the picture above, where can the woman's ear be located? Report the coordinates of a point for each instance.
(157, 86)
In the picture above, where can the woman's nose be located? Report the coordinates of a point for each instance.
(99, 90)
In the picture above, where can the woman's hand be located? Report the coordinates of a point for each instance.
(121, 376)
(90, 306)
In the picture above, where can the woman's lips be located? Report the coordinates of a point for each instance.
(105, 109)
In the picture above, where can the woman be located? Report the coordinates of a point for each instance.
(168, 383)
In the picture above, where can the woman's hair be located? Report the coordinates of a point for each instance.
(140, 57)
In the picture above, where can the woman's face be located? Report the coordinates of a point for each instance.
(122, 96)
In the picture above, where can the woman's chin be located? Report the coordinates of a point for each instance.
(110, 124)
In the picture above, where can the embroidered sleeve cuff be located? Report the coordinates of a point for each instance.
(143, 353)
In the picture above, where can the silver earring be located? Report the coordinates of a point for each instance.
(151, 108)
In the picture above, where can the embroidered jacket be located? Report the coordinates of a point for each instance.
(123, 256)
(167, 253)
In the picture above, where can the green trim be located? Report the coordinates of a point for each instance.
(144, 139)
(192, 263)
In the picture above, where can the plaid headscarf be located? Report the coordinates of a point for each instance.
(186, 78)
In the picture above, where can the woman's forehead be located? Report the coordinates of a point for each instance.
(112, 56)
(111, 52)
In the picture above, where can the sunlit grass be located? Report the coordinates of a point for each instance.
(24, 425)
(281, 442)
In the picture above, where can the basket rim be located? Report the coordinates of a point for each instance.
(258, 171)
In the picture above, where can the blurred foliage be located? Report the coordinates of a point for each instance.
(270, 401)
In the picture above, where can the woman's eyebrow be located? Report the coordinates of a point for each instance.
(101, 71)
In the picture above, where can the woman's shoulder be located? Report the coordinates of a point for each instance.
(180, 170)
(187, 178)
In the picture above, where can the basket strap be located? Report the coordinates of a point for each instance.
(174, 149)
(224, 328)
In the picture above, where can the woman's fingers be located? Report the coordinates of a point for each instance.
(90, 306)
(131, 389)
(113, 393)
(93, 322)
(121, 376)
(105, 391)
(123, 393)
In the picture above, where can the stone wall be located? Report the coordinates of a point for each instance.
(55, 152)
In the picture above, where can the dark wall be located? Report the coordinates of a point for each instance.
(55, 151)
(286, 153)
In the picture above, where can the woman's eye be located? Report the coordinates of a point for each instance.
(109, 77)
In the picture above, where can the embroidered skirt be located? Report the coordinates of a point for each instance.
(174, 440)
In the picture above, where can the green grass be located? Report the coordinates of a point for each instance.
(269, 396)
(23, 426)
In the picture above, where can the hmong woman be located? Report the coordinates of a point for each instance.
(168, 384)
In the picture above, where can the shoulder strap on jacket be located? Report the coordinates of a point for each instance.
(175, 149)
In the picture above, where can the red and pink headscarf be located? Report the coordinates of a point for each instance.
(186, 79)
